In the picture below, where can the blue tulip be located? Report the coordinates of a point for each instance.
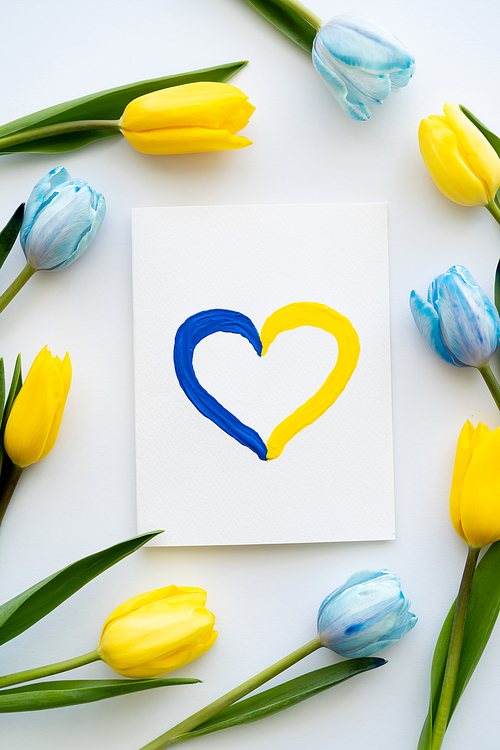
(459, 322)
(365, 615)
(60, 220)
(360, 63)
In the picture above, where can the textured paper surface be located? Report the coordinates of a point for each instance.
(334, 480)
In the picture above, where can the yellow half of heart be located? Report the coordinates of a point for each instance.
(318, 316)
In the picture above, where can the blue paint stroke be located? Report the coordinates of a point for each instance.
(188, 336)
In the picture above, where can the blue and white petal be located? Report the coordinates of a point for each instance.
(360, 63)
(469, 328)
(365, 615)
(358, 42)
(43, 192)
(362, 576)
(488, 304)
(97, 213)
(62, 218)
(340, 87)
(427, 322)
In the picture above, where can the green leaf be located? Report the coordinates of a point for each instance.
(437, 673)
(283, 696)
(61, 693)
(288, 21)
(57, 144)
(15, 387)
(497, 287)
(493, 139)
(9, 233)
(103, 105)
(482, 613)
(24, 610)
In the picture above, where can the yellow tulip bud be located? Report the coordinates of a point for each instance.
(187, 119)
(157, 632)
(464, 166)
(35, 417)
(475, 487)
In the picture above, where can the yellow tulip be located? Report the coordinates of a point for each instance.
(35, 417)
(157, 632)
(475, 487)
(464, 166)
(187, 119)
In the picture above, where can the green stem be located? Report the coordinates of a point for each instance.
(38, 672)
(491, 382)
(494, 210)
(173, 736)
(454, 650)
(16, 285)
(58, 129)
(304, 12)
(8, 490)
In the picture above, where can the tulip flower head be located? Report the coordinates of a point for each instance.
(365, 615)
(360, 63)
(186, 119)
(458, 321)
(61, 218)
(157, 632)
(464, 166)
(475, 486)
(35, 418)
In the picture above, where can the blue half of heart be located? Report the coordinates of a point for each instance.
(188, 336)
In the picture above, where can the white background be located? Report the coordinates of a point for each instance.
(81, 498)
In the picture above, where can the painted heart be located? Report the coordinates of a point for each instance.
(203, 324)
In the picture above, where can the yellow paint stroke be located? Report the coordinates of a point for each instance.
(318, 316)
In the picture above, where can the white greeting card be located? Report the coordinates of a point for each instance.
(262, 374)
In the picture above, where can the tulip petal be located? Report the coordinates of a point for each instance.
(482, 298)
(347, 97)
(59, 227)
(361, 576)
(203, 104)
(171, 593)
(400, 78)
(60, 220)
(468, 322)
(65, 369)
(480, 155)
(427, 322)
(395, 636)
(358, 42)
(175, 660)
(187, 140)
(97, 211)
(365, 615)
(453, 176)
(44, 187)
(360, 63)
(34, 410)
(155, 632)
(480, 504)
(238, 119)
(462, 460)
